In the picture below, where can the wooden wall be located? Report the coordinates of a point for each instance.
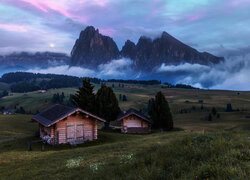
(133, 121)
(75, 128)
(70, 129)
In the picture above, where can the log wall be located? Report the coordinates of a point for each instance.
(136, 123)
(76, 128)
(71, 125)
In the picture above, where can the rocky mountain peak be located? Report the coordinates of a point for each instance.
(128, 50)
(165, 35)
(93, 48)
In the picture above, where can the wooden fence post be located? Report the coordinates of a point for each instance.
(29, 146)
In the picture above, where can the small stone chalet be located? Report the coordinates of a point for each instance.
(134, 121)
(61, 124)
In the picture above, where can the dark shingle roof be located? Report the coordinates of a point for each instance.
(58, 112)
(135, 112)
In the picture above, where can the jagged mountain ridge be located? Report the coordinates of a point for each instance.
(92, 49)
(38, 59)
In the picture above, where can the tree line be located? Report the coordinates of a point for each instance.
(182, 86)
(4, 93)
(145, 82)
(27, 82)
(105, 104)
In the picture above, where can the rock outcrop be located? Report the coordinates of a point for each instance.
(148, 53)
(93, 48)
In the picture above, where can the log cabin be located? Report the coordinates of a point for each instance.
(135, 122)
(61, 124)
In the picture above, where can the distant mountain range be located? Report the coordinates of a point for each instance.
(40, 59)
(24, 60)
(93, 48)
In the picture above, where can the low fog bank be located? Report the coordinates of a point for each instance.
(232, 74)
(120, 68)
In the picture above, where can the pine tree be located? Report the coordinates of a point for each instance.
(85, 97)
(124, 98)
(210, 117)
(214, 111)
(69, 103)
(150, 102)
(5, 93)
(160, 113)
(107, 104)
(229, 108)
(61, 98)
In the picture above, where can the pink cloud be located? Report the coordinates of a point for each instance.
(107, 31)
(46, 6)
(239, 3)
(13, 27)
(36, 4)
(196, 17)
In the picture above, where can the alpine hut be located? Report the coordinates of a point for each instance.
(134, 121)
(61, 124)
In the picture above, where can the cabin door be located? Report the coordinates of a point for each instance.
(70, 133)
(75, 132)
(79, 132)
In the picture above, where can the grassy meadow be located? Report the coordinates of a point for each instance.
(138, 96)
(196, 149)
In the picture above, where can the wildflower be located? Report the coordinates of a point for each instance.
(126, 158)
(72, 163)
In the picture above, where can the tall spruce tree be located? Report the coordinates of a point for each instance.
(85, 97)
(107, 104)
(150, 103)
(160, 113)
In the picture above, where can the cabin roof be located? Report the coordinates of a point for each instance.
(57, 113)
(135, 112)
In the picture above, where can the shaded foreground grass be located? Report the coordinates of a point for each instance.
(172, 155)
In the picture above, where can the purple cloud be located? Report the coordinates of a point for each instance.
(207, 23)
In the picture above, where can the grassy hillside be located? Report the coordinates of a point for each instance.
(169, 155)
(4, 86)
(33, 101)
(138, 96)
(201, 149)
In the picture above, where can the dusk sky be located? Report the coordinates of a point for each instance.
(216, 26)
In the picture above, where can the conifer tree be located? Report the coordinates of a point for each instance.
(124, 98)
(85, 97)
(214, 111)
(160, 113)
(150, 102)
(107, 104)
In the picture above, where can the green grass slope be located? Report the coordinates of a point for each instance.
(216, 154)
(217, 149)
(138, 96)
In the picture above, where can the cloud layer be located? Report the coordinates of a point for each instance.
(32, 25)
(233, 74)
(120, 68)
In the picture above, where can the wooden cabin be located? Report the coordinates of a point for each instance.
(134, 121)
(61, 124)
